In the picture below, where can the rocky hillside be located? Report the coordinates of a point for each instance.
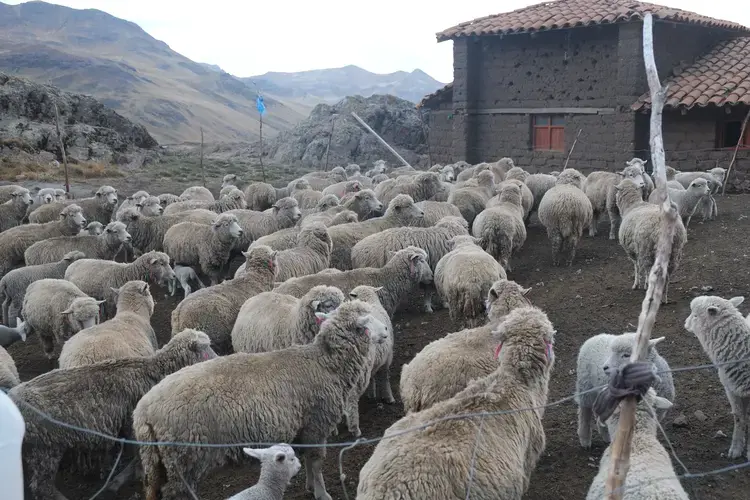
(91, 130)
(395, 120)
(122, 66)
(332, 85)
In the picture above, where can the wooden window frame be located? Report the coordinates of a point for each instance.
(547, 132)
(721, 132)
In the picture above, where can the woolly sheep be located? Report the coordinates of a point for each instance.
(671, 185)
(101, 207)
(104, 246)
(599, 356)
(472, 171)
(60, 195)
(229, 180)
(565, 211)
(400, 278)
(650, 475)
(44, 196)
(234, 200)
(378, 167)
(8, 371)
(166, 199)
(6, 192)
(278, 465)
(131, 201)
(285, 239)
(311, 255)
(57, 309)
(197, 193)
(687, 200)
(150, 207)
(378, 178)
(421, 187)
(463, 277)
(182, 277)
(285, 214)
(308, 198)
(14, 284)
(401, 212)
(377, 376)
(97, 278)
(14, 211)
(725, 337)
(436, 210)
(640, 231)
(364, 203)
(271, 321)
(192, 244)
(519, 176)
(445, 366)
(9, 336)
(538, 185)
(148, 233)
(419, 465)
(321, 180)
(260, 196)
(15, 241)
(500, 228)
(340, 189)
(214, 309)
(225, 190)
(85, 397)
(471, 200)
(94, 228)
(128, 334)
(312, 377)
(600, 190)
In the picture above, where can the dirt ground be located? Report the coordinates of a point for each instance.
(593, 296)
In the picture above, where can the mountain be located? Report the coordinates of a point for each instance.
(332, 85)
(118, 63)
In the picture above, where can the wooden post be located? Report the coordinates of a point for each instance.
(736, 148)
(572, 148)
(262, 169)
(620, 450)
(203, 171)
(362, 122)
(330, 137)
(62, 150)
(426, 136)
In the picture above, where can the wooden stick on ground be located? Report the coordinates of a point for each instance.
(620, 451)
(203, 170)
(362, 122)
(736, 148)
(328, 147)
(572, 148)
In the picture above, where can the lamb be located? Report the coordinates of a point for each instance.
(9, 336)
(445, 366)
(650, 472)
(197, 193)
(214, 309)
(97, 278)
(471, 200)
(271, 321)
(500, 228)
(285, 214)
(418, 465)
(600, 189)
(400, 278)
(8, 371)
(421, 187)
(538, 185)
(278, 465)
(6, 192)
(101, 207)
(15, 241)
(260, 196)
(148, 233)
(131, 201)
(463, 277)
(313, 377)
(436, 210)
(639, 234)
(14, 211)
(128, 334)
(104, 246)
(342, 188)
(192, 244)
(57, 309)
(565, 211)
(725, 337)
(183, 275)
(14, 284)
(378, 373)
(599, 356)
(311, 255)
(686, 199)
(401, 212)
(166, 199)
(84, 397)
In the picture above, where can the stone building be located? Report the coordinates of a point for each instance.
(527, 81)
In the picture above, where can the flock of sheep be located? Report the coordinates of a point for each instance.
(282, 350)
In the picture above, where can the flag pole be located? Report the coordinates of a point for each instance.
(261, 109)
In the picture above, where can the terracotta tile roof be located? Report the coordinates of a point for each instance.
(577, 13)
(445, 93)
(719, 78)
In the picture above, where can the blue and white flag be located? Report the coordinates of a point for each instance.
(260, 104)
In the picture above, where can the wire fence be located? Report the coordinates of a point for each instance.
(349, 445)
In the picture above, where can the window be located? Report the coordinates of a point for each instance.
(729, 135)
(548, 132)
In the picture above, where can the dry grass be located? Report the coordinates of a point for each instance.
(12, 170)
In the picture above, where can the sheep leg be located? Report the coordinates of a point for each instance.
(48, 345)
(124, 476)
(6, 306)
(14, 311)
(383, 379)
(585, 417)
(614, 224)
(594, 223)
(572, 243)
(556, 240)
(314, 472)
(429, 291)
(43, 466)
(740, 407)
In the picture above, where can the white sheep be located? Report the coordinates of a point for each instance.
(100, 207)
(8, 371)
(725, 337)
(687, 200)
(105, 246)
(9, 336)
(14, 211)
(285, 213)
(436, 210)
(434, 463)
(500, 228)
(599, 356)
(131, 201)
(472, 198)
(422, 186)
(197, 193)
(278, 465)
(147, 233)
(94, 228)
(182, 277)
(538, 185)
(600, 190)
(715, 178)
(463, 277)
(519, 176)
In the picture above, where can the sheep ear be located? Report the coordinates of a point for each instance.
(736, 301)
(712, 311)
(152, 261)
(280, 457)
(100, 302)
(662, 403)
(653, 342)
(314, 304)
(493, 293)
(116, 291)
(144, 288)
(378, 289)
(246, 254)
(252, 452)
(391, 253)
(322, 316)
(525, 291)
(67, 311)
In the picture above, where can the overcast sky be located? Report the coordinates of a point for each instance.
(248, 38)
